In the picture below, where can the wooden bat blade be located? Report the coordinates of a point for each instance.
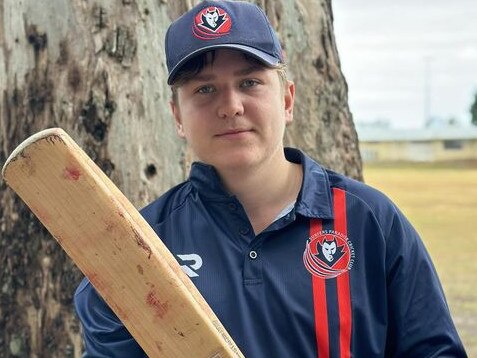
(115, 248)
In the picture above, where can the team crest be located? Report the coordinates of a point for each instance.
(211, 22)
(328, 254)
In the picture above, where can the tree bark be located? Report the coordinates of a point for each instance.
(323, 123)
(97, 69)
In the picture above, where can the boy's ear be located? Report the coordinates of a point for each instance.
(289, 97)
(177, 118)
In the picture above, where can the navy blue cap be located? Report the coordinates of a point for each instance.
(221, 24)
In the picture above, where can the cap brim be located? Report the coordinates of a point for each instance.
(264, 57)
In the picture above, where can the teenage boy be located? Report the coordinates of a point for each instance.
(295, 260)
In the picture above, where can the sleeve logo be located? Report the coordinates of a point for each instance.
(328, 254)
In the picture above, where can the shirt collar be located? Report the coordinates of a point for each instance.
(314, 199)
(205, 179)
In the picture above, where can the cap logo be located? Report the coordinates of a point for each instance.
(211, 23)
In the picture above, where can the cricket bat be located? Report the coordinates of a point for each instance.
(113, 245)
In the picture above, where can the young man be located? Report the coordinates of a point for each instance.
(296, 261)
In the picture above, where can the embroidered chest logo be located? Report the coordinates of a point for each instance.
(210, 23)
(328, 254)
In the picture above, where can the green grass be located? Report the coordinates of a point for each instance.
(441, 202)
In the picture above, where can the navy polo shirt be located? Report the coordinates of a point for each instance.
(342, 273)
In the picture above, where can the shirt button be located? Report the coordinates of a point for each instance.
(253, 254)
(232, 207)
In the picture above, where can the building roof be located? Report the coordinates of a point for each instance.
(383, 134)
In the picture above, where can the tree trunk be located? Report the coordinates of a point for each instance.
(97, 69)
(323, 123)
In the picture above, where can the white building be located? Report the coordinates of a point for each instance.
(379, 143)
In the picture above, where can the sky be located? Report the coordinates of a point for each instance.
(408, 60)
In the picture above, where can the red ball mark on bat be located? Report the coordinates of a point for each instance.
(160, 308)
(140, 269)
(110, 226)
(96, 281)
(141, 243)
(71, 173)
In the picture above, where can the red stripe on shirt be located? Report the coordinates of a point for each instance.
(342, 281)
(319, 304)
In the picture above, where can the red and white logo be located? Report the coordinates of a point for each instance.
(211, 23)
(328, 254)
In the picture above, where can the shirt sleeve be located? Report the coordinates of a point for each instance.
(419, 317)
(104, 334)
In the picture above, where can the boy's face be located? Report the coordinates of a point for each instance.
(233, 113)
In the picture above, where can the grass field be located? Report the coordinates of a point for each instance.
(441, 202)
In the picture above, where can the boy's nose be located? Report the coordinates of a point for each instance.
(230, 104)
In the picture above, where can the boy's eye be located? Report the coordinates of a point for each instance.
(249, 83)
(205, 89)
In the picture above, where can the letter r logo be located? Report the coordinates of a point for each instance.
(192, 262)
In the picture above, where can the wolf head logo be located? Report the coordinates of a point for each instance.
(211, 23)
(212, 20)
(330, 251)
